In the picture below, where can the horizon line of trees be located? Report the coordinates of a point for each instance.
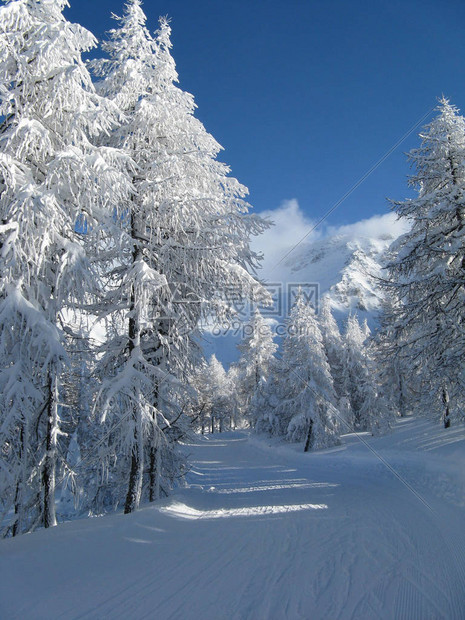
(319, 385)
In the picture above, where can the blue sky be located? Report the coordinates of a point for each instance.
(306, 95)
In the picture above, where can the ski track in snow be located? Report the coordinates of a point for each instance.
(265, 532)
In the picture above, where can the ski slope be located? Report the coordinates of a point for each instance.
(266, 532)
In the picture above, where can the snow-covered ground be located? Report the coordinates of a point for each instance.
(266, 532)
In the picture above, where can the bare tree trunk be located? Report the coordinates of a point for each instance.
(49, 471)
(309, 436)
(155, 448)
(155, 471)
(153, 453)
(20, 485)
(401, 398)
(132, 503)
(445, 400)
(155, 466)
(137, 464)
(137, 454)
(16, 529)
(152, 473)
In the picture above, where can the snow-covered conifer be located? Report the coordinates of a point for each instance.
(214, 396)
(427, 267)
(257, 350)
(266, 398)
(53, 183)
(366, 331)
(310, 403)
(235, 401)
(333, 343)
(301, 395)
(399, 383)
(370, 410)
(188, 237)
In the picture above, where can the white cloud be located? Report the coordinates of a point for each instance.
(291, 225)
(375, 227)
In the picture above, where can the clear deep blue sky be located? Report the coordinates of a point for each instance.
(305, 95)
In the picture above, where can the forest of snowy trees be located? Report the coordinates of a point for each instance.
(114, 209)
(121, 234)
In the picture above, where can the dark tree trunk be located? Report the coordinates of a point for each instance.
(19, 509)
(131, 502)
(401, 398)
(309, 440)
(153, 469)
(152, 473)
(49, 471)
(445, 400)
(137, 452)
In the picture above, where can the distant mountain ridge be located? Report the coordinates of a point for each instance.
(346, 267)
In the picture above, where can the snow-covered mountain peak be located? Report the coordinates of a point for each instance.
(346, 267)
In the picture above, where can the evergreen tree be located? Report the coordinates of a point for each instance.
(214, 396)
(370, 410)
(427, 266)
(235, 400)
(257, 350)
(188, 239)
(397, 381)
(333, 343)
(301, 397)
(266, 399)
(54, 184)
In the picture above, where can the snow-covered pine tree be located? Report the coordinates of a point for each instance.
(398, 383)
(366, 331)
(234, 397)
(333, 343)
(310, 402)
(51, 177)
(77, 390)
(303, 393)
(257, 350)
(370, 410)
(202, 403)
(356, 377)
(266, 400)
(222, 412)
(188, 232)
(214, 395)
(427, 268)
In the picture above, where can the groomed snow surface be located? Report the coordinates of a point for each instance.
(266, 532)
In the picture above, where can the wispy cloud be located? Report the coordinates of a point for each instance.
(291, 224)
(377, 226)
